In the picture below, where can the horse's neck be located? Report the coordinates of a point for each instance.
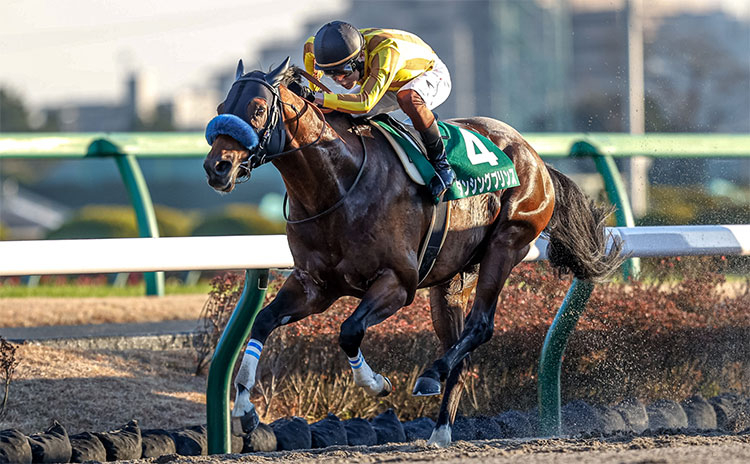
(319, 174)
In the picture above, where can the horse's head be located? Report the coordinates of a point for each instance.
(248, 129)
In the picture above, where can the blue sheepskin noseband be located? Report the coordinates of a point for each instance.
(233, 126)
(265, 143)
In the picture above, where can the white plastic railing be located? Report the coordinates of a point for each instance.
(87, 256)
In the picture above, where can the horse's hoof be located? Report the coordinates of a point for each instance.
(441, 436)
(387, 387)
(250, 421)
(426, 386)
(245, 410)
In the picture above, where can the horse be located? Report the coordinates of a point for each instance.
(355, 223)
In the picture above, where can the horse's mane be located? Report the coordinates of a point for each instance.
(292, 74)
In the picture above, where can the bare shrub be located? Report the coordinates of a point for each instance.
(8, 364)
(674, 333)
(661, 337)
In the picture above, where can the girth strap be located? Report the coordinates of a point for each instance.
(433, 243)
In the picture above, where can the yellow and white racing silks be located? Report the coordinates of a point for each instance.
(393, 58)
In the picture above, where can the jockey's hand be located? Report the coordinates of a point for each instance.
(319, 99)
(303, 91)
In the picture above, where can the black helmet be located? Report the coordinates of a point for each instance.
(336, 45)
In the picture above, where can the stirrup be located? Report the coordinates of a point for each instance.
(441, 182)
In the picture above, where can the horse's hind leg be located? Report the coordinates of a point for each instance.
(447, 304)
(509, 244)
(384, 297)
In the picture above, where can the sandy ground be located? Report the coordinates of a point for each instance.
(102, 390)
(642, 450)
(99, 391)
(34, 312)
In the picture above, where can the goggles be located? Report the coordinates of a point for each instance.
(343, 72)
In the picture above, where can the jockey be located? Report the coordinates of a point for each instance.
(384, 69)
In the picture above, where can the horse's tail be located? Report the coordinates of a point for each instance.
(577, 243)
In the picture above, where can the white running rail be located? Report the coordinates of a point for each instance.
(88, 256)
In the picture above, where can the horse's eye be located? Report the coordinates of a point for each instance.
(260, 110)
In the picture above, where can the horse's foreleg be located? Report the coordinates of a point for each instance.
(294, 301)
(382, 299)
(447, 305)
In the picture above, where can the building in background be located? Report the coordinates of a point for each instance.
(540, 65)
(140, 109)
(499, 53)
(698, 80)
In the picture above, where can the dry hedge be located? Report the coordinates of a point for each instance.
(655, 338)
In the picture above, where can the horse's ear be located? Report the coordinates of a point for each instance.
(274, 77)
(240, 70)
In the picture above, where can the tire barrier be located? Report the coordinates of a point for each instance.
(725, 413)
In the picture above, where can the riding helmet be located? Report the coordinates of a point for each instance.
(336, 44)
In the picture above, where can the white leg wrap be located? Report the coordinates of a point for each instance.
(245, 379)
(364, 376)
(242, 404)
(441, 436)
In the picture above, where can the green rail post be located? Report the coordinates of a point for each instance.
(616, 193)
(227, 351)
(550, 362)
(140, 198)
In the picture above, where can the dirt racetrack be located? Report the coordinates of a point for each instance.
(187, 406)
(41, 311)
(658, 449)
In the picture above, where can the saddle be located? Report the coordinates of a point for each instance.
(387, 125)
(433, 241)
(480, 166)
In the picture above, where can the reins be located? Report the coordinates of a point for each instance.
(251, 163)
(266, 157)
(341, 200)
(314, 80)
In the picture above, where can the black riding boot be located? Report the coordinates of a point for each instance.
(437, 156)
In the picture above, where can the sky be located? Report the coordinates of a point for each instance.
(54, 51)
(61, 50)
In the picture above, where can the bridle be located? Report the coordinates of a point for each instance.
(274, 123)
(272, 136)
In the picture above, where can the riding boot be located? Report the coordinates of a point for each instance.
(436, 154)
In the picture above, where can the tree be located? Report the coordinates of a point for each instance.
(14, 117)
(8, 364)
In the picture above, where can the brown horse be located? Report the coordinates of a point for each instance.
(356, 222)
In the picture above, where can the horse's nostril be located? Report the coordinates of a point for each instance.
(223, 167)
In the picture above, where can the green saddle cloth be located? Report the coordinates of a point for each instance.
(480, 166)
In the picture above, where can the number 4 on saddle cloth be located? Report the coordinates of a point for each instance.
(480, 166)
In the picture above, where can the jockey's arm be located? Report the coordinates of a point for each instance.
(383, 69)
(309, 57)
